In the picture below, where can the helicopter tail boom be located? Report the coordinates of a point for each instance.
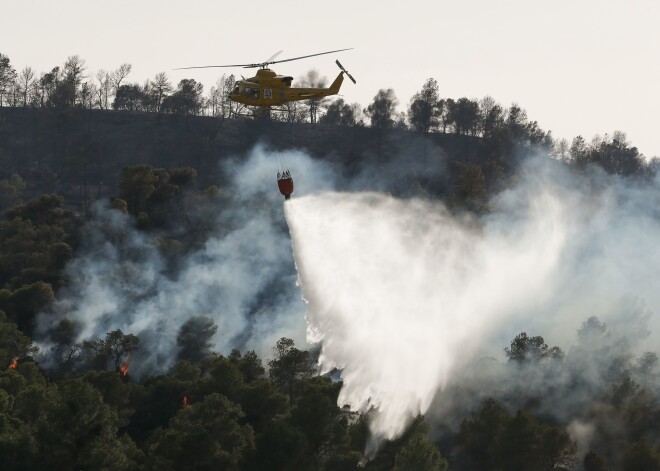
(334, 88)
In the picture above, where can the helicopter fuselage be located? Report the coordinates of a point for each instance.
(269, 89)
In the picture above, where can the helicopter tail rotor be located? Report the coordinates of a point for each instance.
(345, 72)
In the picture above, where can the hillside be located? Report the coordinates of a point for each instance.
(160, 329)
(80, 153)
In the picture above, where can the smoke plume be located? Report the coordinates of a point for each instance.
(243, 276)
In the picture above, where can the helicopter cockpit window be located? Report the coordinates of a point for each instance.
(251, 92)
(235, 92)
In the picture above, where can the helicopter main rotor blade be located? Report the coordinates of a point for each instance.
(269, 60)
(210, 66)
(310, 55)
(263, 64)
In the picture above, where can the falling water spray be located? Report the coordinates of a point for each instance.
(400, 293)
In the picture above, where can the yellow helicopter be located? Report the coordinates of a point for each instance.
(267, 89)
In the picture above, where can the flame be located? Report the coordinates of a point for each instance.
(185, 402)
(123, 369)
(13, 364)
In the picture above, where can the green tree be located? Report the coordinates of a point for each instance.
(183, 177)
(25, 80)
(48, 84)
(45, 209)
(446, 105)
(131, 97)
(381, 113)
(156, 400)
(204, 436)
(281, 447)
(13, 343)
(464, 115)
(113, 350)
(11, 190)
(615, 155)
(578, 151)
(524, 348)
(18, 445)
(538, 138)
(138, 182)
(477, 435)
(24, 303)
(194, 339)
(339, 113)
(186, 100)
(120, 345)
(288, 366)
(470, 189)
(250, 365)
(524, 444)
(225, 377)
(516, 121)
(118, 76)
(424, 112)
(116, 393)
(382, 109)
(103, 89)
(73, 70)
(160, 88)
(262, 403)
(7, 77)
(412, 448)
(492, 116)
(419, 454)
(78, 431)
(317, 415)
(312, 79)
(592, 330)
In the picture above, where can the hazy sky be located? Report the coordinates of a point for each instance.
(576, 66)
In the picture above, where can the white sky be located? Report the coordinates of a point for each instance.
(576, 66)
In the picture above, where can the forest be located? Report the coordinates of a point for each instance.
(103, 181)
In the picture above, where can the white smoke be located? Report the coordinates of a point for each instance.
(403, 295)
(243, 276)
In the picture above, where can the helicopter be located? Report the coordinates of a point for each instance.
(267, 89)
